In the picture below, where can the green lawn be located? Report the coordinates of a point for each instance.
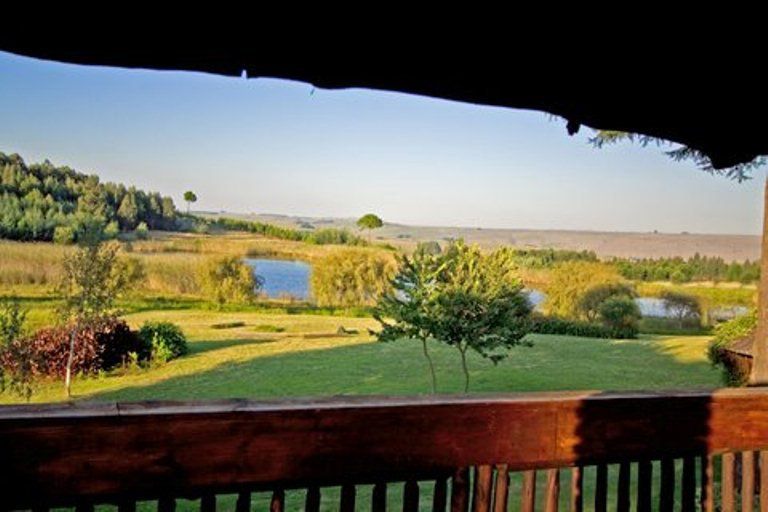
(308, 358)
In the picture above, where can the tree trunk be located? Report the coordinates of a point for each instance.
(759, 374)
(464, 367)
(70, 359)
(431, 365)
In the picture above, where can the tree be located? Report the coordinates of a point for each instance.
(621, 315)
(93, 278)
(369, 222)
(17, 360)
(463, 298)
(189, 197)
(590, 302)
(228, 279)
(351, 277)
(681, 306)
(569, 283)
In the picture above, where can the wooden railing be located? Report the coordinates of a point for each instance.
(550, 451)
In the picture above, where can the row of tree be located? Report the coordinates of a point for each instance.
(696, 268)
(42, 201)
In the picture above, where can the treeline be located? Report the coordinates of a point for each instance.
(696, 268)
(41, 201)
(322, 236)
(546, 258)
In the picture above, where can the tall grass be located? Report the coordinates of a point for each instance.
(23, 263)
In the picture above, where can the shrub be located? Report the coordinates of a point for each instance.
(542, 324)
(64, 235)
(268, 328)
(569, 283)
(99, 345)
(734, 371)
(142, 231)
(228, 279)
(111, 230)
(228, 325)
(351, 277)
(590, 302)
(621, 316)
(166, 340)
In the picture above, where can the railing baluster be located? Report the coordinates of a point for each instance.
(126, 506)
(166, 505)
(439, 498)
(577, 486)
(728, 498)
(278, 501)
(481, 498)
(667, 490)
(379, 497)
(460, 490)
(708, 483)
(243, 503)
(688, 494)
(312, 501)
(644, 475)
(552, 503)
(208, 503)
(747, 481)
(501, 489)
(763, 481)
(411, 496)
(347, 498)
(528, 494)
(622, 491)
(601, 488)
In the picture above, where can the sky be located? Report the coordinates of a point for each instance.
(274, 146)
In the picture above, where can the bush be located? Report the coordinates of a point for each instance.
(100, 345)
(351, 277)
(64, 235)
(621, 316)
(142, 231)
(165, 340)
(112, 230)
(734, 371)
(569, 283)
(228, 279)
(542, 324)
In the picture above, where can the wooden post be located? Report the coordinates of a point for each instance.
(759, 373)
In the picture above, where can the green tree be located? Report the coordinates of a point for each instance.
(17, 361)
(93, 278)
(571, 280)
(369, 222)
(228, 279)
(681, 306)
(189, 197)
(590, 302)
(621, 315)
(463, 298)
(351, 277)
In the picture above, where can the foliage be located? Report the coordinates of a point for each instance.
(542, 324)
(228, 279)
(46, 202)
(696, 268)
(16, 360)
(326, 236)
(733, 373)
(570, 281)
(681, 306)
(190, 197)
(141, 231)
(620, 314)
(100, 344)
(350, 277)
(590, 302)
(461, 297)
(369, 221)
(547, 258)
(430, 247)
(165, 339)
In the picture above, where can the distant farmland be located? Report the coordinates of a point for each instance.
(605, 244)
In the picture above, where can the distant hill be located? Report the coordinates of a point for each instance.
(604, 244)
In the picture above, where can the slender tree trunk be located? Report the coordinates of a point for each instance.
(70, 359)
(431, 365)
(464, 367)
(759, 373)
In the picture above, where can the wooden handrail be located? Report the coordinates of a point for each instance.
(61, 454)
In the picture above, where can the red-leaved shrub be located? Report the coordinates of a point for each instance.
(100, 345)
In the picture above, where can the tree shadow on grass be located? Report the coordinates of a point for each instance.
(554, 363)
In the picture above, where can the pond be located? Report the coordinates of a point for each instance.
(282, 278)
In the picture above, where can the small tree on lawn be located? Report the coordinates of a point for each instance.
(681, 306)
(189, 197)
(17, 361)
(463, 298)
(228, 279)
(93, 278)
(590, 302)
(369, 222)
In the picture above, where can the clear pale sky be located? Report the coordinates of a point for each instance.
(272, 146)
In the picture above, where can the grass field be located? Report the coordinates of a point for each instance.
(279, 355)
